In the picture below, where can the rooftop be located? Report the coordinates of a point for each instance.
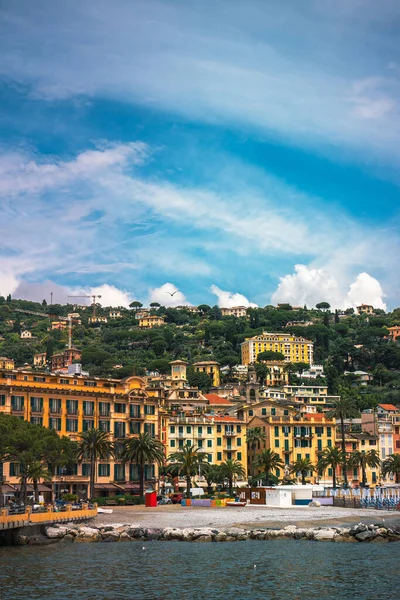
(215, 399)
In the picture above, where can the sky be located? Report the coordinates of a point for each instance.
(230, 152)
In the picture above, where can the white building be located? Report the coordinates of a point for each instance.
(234, 311)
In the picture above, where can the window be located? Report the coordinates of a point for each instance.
(355, 472)
(172, 443)
(219, 455)
(209, 458)
(330, 472)
(209, 430)
(319, 431)
(88, 408)
(239, 441)
(276, 443)
(89, 383)
(251, 412)
(119, 408)
(55, 424)
(119, 472)
(87, 424)
(286, 412)
(37, 421)
(17, 402)
(229, 455)
(287, 445)
(263, 411)
(354, 445)
(85, 470)
(172, 429)
(188, 442)
(276, 431)
(219, 441)
(149, 409)
(2, 399)
(329, 442)
(209, 443)
(119, 429)
(219, 428)
(15, 470)
(65, 381)
(200, 431)
(200, 443)
(133, 472)
(319, 445)
(134, 427)
(188, 429)
(72, 407)
(180, 443)
(149, 471)
(150, 428)
(239, 456)
(239, 428)
(329, 431)
(55, 405)
(104, 470)
(72, 425)
(104, 426)
(104, 409)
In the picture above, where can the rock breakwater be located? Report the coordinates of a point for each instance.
(124, 533)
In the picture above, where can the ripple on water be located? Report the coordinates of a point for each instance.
(286, 569)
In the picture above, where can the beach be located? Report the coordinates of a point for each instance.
(245, 517)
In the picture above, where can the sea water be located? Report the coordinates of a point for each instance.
(281, 569)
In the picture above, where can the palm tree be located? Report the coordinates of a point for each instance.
(391, 466)
(363, 460)
(330, 457)
(189, 461)
(254, 437)
(94, 445)
(268, 460)
(36, 471)
(303, 466)
(229, 469)
(213, 474)
(344, 408)
(143, 450)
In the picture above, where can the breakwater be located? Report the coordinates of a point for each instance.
(74, 533)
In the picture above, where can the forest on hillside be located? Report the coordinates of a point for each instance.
(343, 341)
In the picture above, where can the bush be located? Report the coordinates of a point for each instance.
(69, 497)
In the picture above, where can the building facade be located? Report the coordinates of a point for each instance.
(211, 368)
(150, 321)
(295, 349)
(234, 311)
(6, 364)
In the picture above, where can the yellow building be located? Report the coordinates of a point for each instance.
(178, 369)
(97, 319)
(295, 349)
(219, 437)
(150, 321)
(211, 368)
(39, 359)
(294, 436)
(59, 325)
(365, 309)
(72, 404)
(277, 374)
(6, 363)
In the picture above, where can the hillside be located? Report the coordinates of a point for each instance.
(118, 348)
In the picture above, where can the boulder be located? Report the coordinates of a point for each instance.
(221, 537)
(68, 538)
(314, 504)
(55, 532)
(111, 536)
(124, 537)
(323, 535)
(154, 534)
(344, 538)
(380, 540)
(358, 529)
(365, 536)
(204, 538)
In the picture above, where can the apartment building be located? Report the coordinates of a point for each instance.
(6, 364)
(295, 349)
(234, 311)
(382, 424)
(150, 321)
(71, 404)
(357, 442)
(211, 368)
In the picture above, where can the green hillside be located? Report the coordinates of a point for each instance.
(346, 342)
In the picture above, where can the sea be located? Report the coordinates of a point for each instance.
(278, 569)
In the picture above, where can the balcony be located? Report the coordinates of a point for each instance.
(229, 433)
(71, 479)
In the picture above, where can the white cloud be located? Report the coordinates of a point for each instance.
(366, 290)
(310, 286)
(162, 295)
(111, 295)
(229, 299)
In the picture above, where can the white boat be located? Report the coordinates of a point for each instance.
(107, 511)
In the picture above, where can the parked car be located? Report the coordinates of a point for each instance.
(176, 498)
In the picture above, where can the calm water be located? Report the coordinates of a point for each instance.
(285, 569)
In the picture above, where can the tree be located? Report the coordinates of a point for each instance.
(254, 437)
(230, 469)
(35, 472)
(332, 458)
(154, 305)
(363, 460)
(94, 445)
(345, 407)
(204, 308)
(189, 461)
(270, 355)
(391, 466)
(213, 474)
(268, 460)
(135, 305)
(261, 371)
(302, 466)
(143, 450)
(323, 306)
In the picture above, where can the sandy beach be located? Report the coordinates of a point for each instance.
(247, 517)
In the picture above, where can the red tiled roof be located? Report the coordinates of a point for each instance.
(388, 406)
(224, 419)
(215, 399)
(315, 416)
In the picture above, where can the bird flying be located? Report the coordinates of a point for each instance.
(173, 293)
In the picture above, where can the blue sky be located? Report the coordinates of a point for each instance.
(240, 152)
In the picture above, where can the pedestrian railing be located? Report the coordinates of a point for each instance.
(20, 516)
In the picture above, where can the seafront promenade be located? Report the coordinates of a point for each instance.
(47, 516)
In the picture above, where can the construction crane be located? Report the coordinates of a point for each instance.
(39, 314)
(93, 297)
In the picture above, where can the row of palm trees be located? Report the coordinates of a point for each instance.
(187, 462)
